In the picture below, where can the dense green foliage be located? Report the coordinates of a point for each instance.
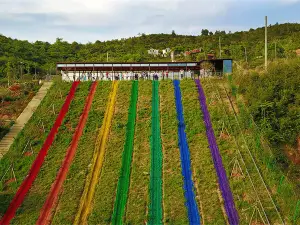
(274, 100)
(19, 57)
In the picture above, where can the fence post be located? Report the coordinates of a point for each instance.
(296, 214)
(280, 183)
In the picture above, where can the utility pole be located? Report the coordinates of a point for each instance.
(21, 68)
(275, 50)
(246, 54)
(266, 42)
(107, 56)
(35, 70)
(220, 47)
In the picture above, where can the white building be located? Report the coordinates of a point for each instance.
(154, 52)
(166, 51)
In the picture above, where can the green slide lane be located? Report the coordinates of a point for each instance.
(123, 183)
(155, 209)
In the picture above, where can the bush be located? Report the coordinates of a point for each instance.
(274, 100)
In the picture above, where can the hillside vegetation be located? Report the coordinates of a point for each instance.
(273, 101)
(18, 55)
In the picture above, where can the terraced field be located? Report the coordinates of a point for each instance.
(143, 152)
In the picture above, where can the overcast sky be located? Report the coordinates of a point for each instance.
(91, 20)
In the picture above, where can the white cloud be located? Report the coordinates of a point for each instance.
(107, 19)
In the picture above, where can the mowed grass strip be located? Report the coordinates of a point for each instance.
(138, 199)
(86, 202)
(173, 197)
(246, 193)
(30, 209)
(106, 187)
(204, 174)
(74, 184)
(124, 178)
(155, 192)
(32, 136)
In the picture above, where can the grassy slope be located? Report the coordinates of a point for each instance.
(34, 132)
(245, 194)
(30, 209)
(106, 188)
(138, 200)
(204, 174)
(124, 177)
(283, 193)
(155, 190)
(74, 184)
(172, 177)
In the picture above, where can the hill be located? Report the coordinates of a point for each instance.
(18, 55)
(165, 119)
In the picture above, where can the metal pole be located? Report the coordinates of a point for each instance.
(220, 47)
(266, 42)
(275, 50)
(246, 54)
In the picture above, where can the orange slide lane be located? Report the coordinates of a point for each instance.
(45, 214)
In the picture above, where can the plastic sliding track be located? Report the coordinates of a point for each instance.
(85, 204)
(45, 214)
(124, 179)
(155, 209)
(193, 212)
(37, 164)
(231, 211)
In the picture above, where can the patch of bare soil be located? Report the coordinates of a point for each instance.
(292, 153)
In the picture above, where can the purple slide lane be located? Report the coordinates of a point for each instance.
(231, 211)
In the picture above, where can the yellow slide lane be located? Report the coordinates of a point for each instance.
(98, 158)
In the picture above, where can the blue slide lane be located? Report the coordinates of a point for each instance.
(231, 211)
(193, 212)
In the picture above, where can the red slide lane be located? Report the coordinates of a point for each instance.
(37, 164)
(45, 214)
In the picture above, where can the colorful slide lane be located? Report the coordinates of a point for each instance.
(98, 158)
(45, 215)
(37, 164)
(193, 212)
(155, 209)
(231, 211)
(124, 179)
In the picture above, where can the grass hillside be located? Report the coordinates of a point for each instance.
(261, 180)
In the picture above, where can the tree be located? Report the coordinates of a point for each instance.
(204, 32)
(173, 33)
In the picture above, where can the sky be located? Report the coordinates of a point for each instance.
(90, 20)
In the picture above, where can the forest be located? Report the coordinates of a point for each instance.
(19, 57)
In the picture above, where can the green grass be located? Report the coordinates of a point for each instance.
(155, 191)
(124, 178)
(243, 192)
(138, 199)
(106, 188)
(175, 214)
(204, 175)
(32, 132)
(283, 193)
(246, 194)
(29, 211)
(74, 184)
